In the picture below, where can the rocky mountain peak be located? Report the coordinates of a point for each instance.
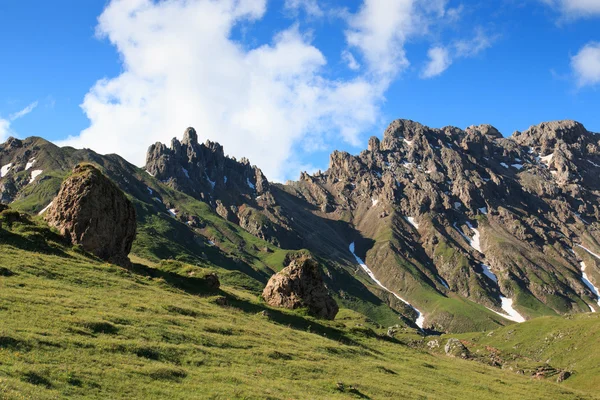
(190, 137)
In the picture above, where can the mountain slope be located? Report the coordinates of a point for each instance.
(466, 229)
(79, 328)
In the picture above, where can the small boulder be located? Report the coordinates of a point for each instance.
(91, 211)
(455, 348)
(299, 285)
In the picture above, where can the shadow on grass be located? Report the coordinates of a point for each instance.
(199, 286)
(35, 240)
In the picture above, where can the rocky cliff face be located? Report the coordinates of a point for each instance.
(448, 224)
(90, 210)
(238, 191)
(474, 213)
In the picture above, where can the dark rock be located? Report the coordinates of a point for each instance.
(300, 285)
(91, 211)
(562, 376)
(212, 281)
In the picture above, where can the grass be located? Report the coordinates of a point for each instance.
(563, 343)
(74, 327)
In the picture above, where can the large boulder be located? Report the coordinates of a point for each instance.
(90, 210)
(300, 285)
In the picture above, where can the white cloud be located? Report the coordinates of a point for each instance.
(439, 61)
(475, 45)
(181, 68)
(586, 65)
(350, 61)
(24, 112)
(379, 31)
(440, 58)
(572, 9)
(311, 7)
(5, 129)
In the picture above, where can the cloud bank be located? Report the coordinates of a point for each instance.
(182, 68)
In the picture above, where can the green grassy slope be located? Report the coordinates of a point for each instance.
(571, 344)
(74, 327)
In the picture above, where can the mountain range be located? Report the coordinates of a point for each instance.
(446, 230)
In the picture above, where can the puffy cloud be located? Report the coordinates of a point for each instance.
(311, 7)
(572, 9)
(586, 65)
(439, 61)
(379, 31)
(181, 68)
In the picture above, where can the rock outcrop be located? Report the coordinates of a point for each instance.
(91, 211)
(237, 190)
(300, 285)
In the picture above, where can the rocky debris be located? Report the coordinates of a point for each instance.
(433, 344)
(91, 211)
(300, 285)
(562, 376)
(455, 348)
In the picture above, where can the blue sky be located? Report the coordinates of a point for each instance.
(285, 82)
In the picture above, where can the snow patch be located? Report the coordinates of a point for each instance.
(506, 303)
(149, 173)
(504, 165)
(35, 174)
(409, 142)
(420, 318)
(224, 179)
(4, 170)
(374, 202)
(412, 221)
(517, 166)
(46, 208)
(507, 306)
(475, 241)
(593, 163)
(250, 184)
(546, 159)
(457, 205)
(149, 190)
(212, 183)
(488, 272)
(185, 171)
(589, 251)
(173, 212)
(443, 282)
(29, 164)
(483, 210)
(157, 199)
(586, 281)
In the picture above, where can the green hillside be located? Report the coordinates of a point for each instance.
(79, 328)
